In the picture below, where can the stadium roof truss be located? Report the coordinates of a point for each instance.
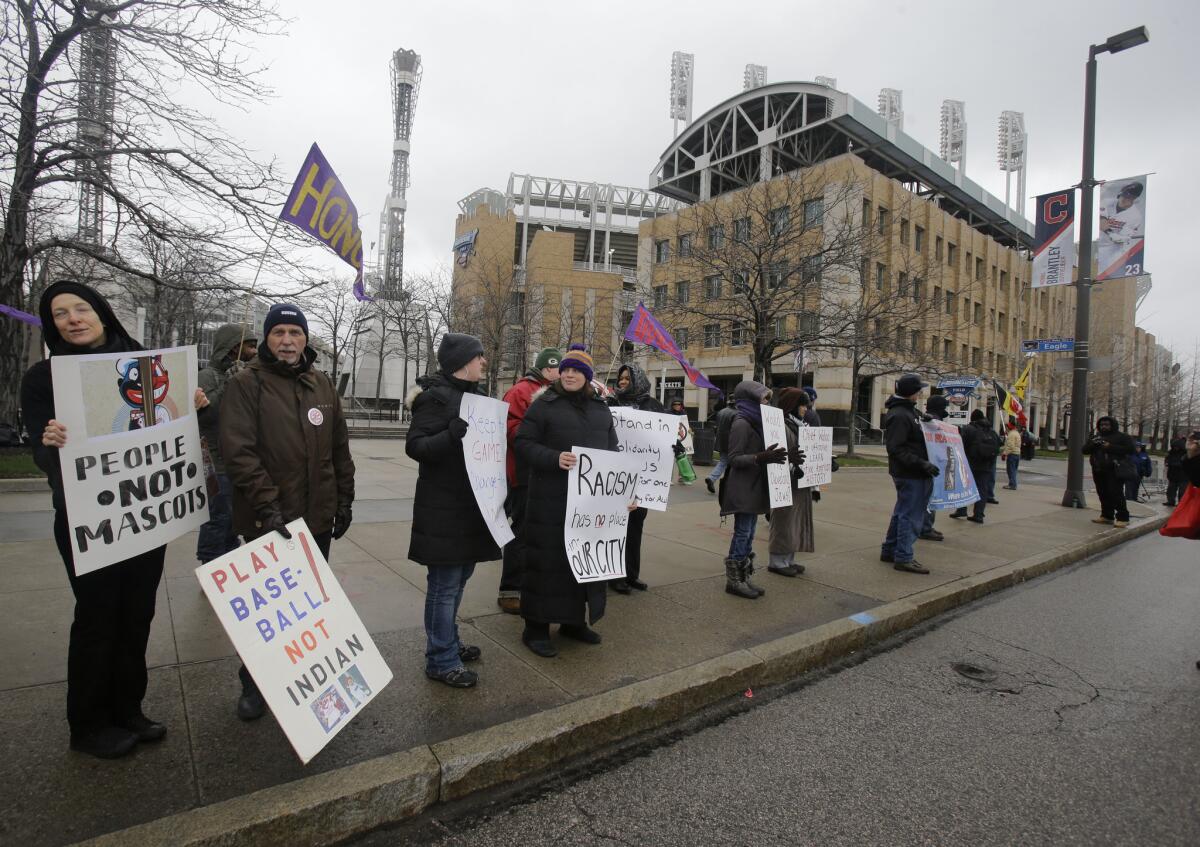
(568, 202)
(786, 126)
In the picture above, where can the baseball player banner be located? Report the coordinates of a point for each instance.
(600, 489)
(485, 449)
(779, 476)
(1054, 239)
(817, 444)
(298, 635)
(648, 439)
(955, 485)
(1121, 247)
(132, 467)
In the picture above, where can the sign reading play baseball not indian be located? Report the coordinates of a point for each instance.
(1121, 246)
(600, 489)
(297, 634)
(955, 485)
(648, 438)
(816, 442)
(485, 448)
(132, 467)
(1054, 239)
(779, 476)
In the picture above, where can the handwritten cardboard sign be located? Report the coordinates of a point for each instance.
(599, 490)
(647, 438)
(779, 476)
(817, 444)
(485, 447)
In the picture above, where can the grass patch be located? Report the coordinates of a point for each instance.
(860, 462)
(1051, 454)
(17, 463)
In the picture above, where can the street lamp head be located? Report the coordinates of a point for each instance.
(1127, 39)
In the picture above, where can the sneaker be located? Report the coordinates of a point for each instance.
(1120, 524)
(974, 519)
(110, 742)
(580, 633)
(1011, 487)
(1102, 520)
(455, 677)
(785, 570)
(708, 483)
(469, 653)
(145, 729)
(912, 566)
(509, 605)
(932, 535)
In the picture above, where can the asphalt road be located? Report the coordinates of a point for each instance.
(1084, 729)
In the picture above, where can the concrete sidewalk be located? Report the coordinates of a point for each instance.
(686, 619)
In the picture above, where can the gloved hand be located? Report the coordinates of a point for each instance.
(458, 428)
(271, 520)
(816, 495)
(930, 469)
(341, 521)
(677, 449)
(833, 464)
(796, 457)
(773, 455)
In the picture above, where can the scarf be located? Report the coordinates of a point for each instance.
(751, 410)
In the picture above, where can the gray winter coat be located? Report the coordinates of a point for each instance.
(744, 487)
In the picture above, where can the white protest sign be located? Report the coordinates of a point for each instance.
(485, 448)
(647, 438)
(685, 435)
(297, 634)
(817, 444)
(130, 485)
(599, 490)
(779, 476)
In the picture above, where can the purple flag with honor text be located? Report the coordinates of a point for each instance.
(319, 205)
(644, 329)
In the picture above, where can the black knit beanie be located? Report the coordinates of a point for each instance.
(456, 350)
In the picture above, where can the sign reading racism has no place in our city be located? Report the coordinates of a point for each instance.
(600, 488)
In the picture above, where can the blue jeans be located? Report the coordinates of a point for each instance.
(718, 470)
(743, 535)
(443, 595)
(216, 534)
(1010, 464)
(912, 495)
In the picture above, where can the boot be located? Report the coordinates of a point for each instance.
(747, 572)
(779, 564)
(734, 583)
(791, 560)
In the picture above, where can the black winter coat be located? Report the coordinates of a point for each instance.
(447, 528)
(904, 439)
(1106, 450)
(977, 436)
(1175, 459)
(554, 424)
(744, 489)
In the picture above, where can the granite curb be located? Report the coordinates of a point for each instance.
(23, 485)
(337, 805)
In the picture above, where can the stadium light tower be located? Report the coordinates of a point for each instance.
(406, 84)
(682, 71)
(755, 76)
(1011, 151)
(830, 81)
(97, 101)
(891, 107)
(954, 133)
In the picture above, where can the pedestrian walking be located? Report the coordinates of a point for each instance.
(792, 526)
(633, 391)
(722, 420)
(518, 398)
(286, 449)
(1177, 478)
(232, 347)
(114, 606)
(744, 492)
(567, 414)
(1011, 454)
(1111, 453)
(935, 407)
(449, 535)
(981, 443)
(911, 471)
(1145, 467)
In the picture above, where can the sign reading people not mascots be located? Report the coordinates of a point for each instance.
(485, 450)
(599, 490)
(132, 467)
(298, 635)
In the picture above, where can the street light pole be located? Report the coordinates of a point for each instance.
(1073, 496)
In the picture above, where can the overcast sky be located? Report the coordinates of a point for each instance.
(579, 91)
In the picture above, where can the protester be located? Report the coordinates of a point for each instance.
(1109, 450)
(518, 398)
(677, 408)
(1177, 478)
(722, 420)
(285, 448)
(935, 407)
(792, 526)
(911, 471)
(232, 346)
(633, 391)
(114, 606)
(1011, 454)
(981, 443)
(811, 417)
(1145, 468)
(1191, 468)
(744, 491)
(568, 414)
(1028, 444)
(449, 535)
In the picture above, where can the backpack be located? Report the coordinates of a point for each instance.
(724, 424)
(988, 446)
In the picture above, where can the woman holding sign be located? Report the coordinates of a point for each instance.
(567, 414)
(106, 660)
(792, 526)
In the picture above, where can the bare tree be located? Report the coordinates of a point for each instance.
(335, 309)
(489, 302)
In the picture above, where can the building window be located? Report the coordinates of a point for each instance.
(1004, 280)
(1002, 324)
(916, 289)
(716, 236)
(781, 327)
(683, 292)
(810, 269)
(995, 276)
(660, 296)
(978, 268)
(741, 282)
(737, 334)
(934, 345)
(991, 318)
(681, 337)
(808, 324)
(968, 267)
(712, 335)
(814, 211)
(976, 361)
(662, 251)
(949, 302)
(881, 220)
(900, 334)
(776, 274)
(902, 284)
(937, 296)
(918, 239)
(518, 307)
(1001, 366)
(866, 213)
(951, 254)
(948, 350)
(988, 361)
(685, 246)
(779, 219)
(904, 231)
(977, 316)
(712, 288)
(937, 248)
(965, 353)
(741, 230)
(880, 274)
(914, 340)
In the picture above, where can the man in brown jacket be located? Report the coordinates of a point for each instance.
(286, 450)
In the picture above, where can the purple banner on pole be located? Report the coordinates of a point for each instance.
(19, 315)
(645, 329)
(319, 205)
